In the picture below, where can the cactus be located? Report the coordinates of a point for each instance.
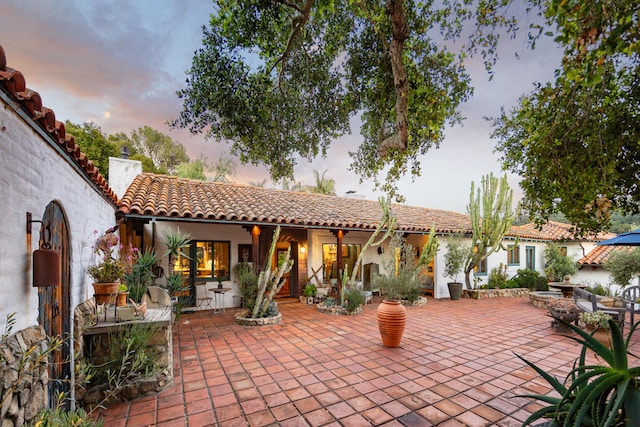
(270, 281)
(491, 217)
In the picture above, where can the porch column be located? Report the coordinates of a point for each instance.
(255, 246)
(339, 236)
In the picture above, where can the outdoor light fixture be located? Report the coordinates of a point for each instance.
(302, 250)
(46, 261)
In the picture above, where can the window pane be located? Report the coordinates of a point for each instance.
(204, 260)
(221, 259)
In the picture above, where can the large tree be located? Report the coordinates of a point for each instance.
(94, 144)
(575, 141)
(283, 78)
(165, 153)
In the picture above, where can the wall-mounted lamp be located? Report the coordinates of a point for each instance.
(46, 261)
(380, 250)
(303, 250)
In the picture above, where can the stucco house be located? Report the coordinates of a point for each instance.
(53, 194)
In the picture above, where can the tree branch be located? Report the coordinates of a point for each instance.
(297, 23)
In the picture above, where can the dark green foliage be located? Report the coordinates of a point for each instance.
(605, 394)
(530, 279)
(498, 277)
(281, 80)
(59, 417)
(248, 281)
(558, 265)
(574, 141)
(128, 358)
(601, 290)
(330, 301)
(141, 275)
(272, 310)
(354, 298)
(623, 265)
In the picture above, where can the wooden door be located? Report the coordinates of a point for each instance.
(54, 302)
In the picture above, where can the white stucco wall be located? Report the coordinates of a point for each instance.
(33, 174)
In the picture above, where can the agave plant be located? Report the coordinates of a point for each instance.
(594, 395)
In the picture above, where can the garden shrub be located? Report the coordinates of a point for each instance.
(529, 279)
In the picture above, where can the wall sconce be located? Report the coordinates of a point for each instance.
(303, 250)
(380, 250)
(46, 261)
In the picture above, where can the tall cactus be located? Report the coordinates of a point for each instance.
(491, 217)
(270, 280)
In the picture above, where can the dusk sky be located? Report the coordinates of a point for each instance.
(119, 63)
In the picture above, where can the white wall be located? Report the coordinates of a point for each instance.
(122, 172)
(32, 174)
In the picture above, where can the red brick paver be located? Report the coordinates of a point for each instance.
(457, 366)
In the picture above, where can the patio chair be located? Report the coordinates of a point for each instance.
(588, 302)
(631, 298)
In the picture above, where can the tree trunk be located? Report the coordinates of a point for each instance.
(400, 32)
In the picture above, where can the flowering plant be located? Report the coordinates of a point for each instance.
(562, 304)
(597, 319)
(109, 267)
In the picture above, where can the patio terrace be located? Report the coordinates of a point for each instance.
(456, 367)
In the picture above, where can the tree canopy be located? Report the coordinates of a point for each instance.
(574, 141)
(165, 153)
(280, 79)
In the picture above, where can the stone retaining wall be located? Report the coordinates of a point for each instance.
(494, 293)
(24, 394)
(92, 346)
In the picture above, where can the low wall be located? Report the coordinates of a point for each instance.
(494, 293)
(24, 386)
(92, 346)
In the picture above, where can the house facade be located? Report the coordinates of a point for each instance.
(54, 198)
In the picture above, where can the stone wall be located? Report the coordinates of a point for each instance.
(24, 391)
(494, 293)
(92, 346)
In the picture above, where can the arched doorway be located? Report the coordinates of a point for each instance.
(54, 302)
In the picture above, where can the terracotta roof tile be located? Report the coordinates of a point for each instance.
(13, 83)
(599, 254)
(161, 195)
(556, 231)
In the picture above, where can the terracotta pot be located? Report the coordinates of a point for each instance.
(122, 299)
(602, 335)
(105, 293)
(392, 317)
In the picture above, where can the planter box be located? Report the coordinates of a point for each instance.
(495, 293)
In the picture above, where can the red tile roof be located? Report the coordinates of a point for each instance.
(13, 83)
(556, 231)
(599, 254)
(166, 196)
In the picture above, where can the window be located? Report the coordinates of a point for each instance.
(481, 268)
(563, 250)
(208, 259)
(530, 261)
(513, 255)
(350, 254)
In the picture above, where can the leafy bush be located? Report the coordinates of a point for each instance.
(558, 265)
(60, 417)
(599, 289)
(248, 282)
(623, 266)
(354, 298)
(498, 277)
(529, 279)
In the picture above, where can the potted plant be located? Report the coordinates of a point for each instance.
(123, 295)
(454, 260)
(107, 270)
(141, 274)
(400, 279)
(309, 292)
(562, 309)
(606, 393)
(597, 324)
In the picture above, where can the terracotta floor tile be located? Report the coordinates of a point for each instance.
(314, 366)
(320, 417)
(284, 412)
(203, 419)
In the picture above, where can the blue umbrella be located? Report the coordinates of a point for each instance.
(630, 238)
